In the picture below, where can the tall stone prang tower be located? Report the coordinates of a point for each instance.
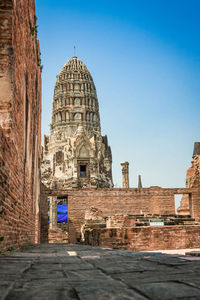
(75, 155)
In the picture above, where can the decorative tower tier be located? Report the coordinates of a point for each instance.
(75, 154)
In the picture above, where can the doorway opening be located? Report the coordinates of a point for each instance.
(83, 171)
(177, 199)
(62, 210)
(183, 204)
(58, 220)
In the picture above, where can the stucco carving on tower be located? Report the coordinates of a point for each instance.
(75, 154)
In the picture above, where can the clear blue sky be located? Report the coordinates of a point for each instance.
(144, 56)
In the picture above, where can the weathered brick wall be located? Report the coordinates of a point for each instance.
(20, 123)
(120, 221)
(192, 180)
(6, 58)
(57, 236)
(153, 200)
(146, 238)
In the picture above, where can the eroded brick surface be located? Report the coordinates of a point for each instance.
(192, 179)
(20, 116)
(110, 202)
(145, 238)
(154, 200)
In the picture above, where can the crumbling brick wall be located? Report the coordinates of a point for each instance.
(192, 179)
(145, 238)
(20, 123)
(132, 201)
(153, 200)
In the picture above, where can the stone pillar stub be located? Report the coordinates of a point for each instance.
(139, 182)
(53, 213)
(125, 174)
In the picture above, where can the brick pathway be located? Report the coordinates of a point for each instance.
(89, 273)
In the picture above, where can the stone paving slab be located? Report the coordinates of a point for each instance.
(77, 267)
(193, 253)
(102, 294)
(85, 275)
(43, 283)
(167, 290)
(61, 294)
(91, 273)
(123, 267)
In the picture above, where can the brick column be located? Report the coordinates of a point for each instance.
(53, 213)
(125, 175)
(194, 204)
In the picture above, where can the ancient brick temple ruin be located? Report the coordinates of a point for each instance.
(126, 218)
(77, 173)
(76, 160)
(75, 155)
(20, 128)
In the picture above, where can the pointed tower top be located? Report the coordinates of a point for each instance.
(139, 182)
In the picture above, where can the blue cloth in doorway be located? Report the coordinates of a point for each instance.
(62, 213)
